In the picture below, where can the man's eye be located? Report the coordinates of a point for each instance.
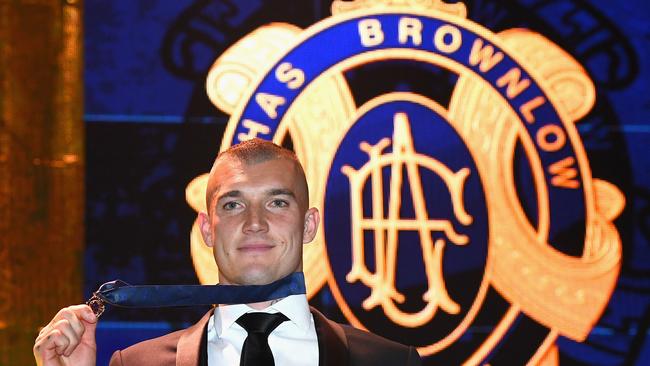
(230, 205)
(279, 203)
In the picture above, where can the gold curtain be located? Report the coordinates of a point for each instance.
(41, 168)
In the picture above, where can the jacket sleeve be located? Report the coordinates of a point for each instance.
(116, 359)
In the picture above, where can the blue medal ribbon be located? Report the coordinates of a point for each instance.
(118, 293)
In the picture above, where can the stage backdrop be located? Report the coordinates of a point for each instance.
(481, 166)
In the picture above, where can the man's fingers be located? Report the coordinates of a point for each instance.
(60, 340)
(75, 323)
(51, 345)
(80, 311)
(70, 324)
(71, 337)
(89, 320)
(69, 327)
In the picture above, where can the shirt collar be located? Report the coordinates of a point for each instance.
(294, 307)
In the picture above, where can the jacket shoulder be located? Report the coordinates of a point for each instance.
(368, 348)
(165, 350)
(155, 351)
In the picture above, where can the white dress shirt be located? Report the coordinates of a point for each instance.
(294, 342)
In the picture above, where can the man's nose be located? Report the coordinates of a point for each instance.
(256, 221)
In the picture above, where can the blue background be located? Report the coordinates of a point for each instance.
(151, 129)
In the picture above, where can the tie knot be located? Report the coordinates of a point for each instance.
(261, 322)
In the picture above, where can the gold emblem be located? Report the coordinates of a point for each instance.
(493, 108)
(382, 281)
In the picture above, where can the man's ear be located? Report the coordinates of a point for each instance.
(312, 219)
(204, 224)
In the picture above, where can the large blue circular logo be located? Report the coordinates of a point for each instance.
(406, 222)
(420, 273)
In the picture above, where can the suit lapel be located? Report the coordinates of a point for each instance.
(332, 343)
(192, 343)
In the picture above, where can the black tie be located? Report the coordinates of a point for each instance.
(256, 350)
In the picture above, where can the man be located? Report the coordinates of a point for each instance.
(257, 220)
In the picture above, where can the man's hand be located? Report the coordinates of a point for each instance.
(69, 339)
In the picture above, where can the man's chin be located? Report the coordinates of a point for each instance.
(258, 277)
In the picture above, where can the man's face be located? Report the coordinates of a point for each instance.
(258, 220)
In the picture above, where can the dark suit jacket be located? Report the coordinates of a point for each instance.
(338, 345)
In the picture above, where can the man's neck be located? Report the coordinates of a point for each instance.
(263, 305)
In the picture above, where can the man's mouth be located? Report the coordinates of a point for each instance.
(255, 247)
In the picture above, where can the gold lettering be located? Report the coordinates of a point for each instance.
(269, 103)
(527, 108)
(254, 128)
(484, 55)
(515, 85)
(293, 77)
(454, 43)
(410, 27)
(370, 32)
(563, 173)
(547, 144)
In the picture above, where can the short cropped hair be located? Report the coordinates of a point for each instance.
(252, 152)
(256, 151)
